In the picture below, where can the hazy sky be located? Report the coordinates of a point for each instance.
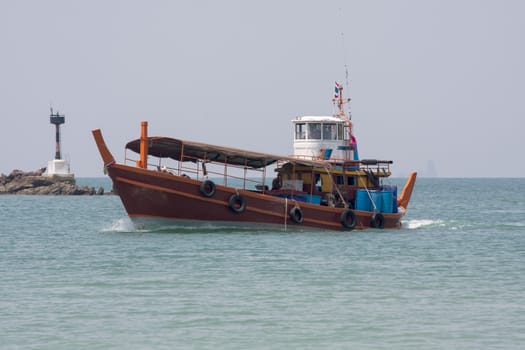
(437, 83)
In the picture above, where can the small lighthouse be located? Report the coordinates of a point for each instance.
(58, 166)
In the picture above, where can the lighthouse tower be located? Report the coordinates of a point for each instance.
(58, 166)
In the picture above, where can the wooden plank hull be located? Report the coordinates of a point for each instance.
(151, 194)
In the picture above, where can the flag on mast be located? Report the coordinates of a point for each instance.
(338, 89)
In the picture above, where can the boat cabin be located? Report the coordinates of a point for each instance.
(336, 175)
(323, 137)
(336, 185)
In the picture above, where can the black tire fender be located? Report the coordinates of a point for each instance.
(377, 221)
(296, 214)
(237, 203)
(348, 219)
(207, 188)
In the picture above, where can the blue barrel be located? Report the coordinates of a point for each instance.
(362, 200)
(394, 199)
(392, 188)
(387, 201)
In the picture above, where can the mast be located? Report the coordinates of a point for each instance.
(339, 101)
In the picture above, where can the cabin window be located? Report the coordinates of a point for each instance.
(329, 132)
(317, 182)
(340, 180)
(300, 131)
(346, 134)
(314, 131)
(339, 131)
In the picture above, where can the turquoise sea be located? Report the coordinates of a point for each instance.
(76, 274)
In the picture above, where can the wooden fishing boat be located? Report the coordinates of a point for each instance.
(323, 184)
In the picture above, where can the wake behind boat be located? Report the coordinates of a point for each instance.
(323, 184)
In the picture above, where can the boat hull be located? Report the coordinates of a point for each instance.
(148, 194)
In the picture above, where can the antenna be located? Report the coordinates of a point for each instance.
(347, 83)
(344, 59)
(347, 100)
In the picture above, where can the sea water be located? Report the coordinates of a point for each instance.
(76, 274)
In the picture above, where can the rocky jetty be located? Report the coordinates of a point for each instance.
(36, 183)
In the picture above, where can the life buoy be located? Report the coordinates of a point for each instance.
(296, 214)
(348, 219)
(237, 203)
(207, 188)
(377, 221)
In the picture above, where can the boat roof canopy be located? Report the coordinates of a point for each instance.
(190, 151)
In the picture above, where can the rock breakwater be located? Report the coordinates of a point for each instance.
(36, 183)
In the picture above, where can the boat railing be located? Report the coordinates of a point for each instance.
(365, 165)
(226, 174)
(370, 165)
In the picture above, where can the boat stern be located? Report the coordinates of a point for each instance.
(406, 193)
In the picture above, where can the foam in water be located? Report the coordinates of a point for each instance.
(415, 224)
(121, 225)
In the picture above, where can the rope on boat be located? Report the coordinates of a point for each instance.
(285, 211)
(370, 196)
